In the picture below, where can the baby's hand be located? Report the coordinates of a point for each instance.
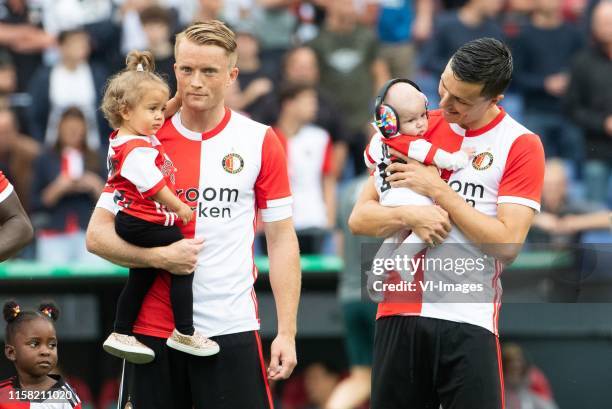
(470, 152)
(460, 160)
(185, 212)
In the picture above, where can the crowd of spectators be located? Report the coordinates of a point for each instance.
(55, 57)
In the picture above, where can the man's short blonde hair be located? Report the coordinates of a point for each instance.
(213, 32)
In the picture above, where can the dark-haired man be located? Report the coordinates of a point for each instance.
(435, 346)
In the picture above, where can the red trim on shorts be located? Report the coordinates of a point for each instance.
(501, 373)
(263, 370)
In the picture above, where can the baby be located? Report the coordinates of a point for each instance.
(403, 127)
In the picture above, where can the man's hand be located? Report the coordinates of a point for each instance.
(547, 222)
(181, 257)
(413, 175)
(432, 224)
(556, 84)
(283, 358)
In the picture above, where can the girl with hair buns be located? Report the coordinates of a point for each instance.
(31, 344)
(142, 177)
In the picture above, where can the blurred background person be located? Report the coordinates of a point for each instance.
(10, 97)
(320, 379)
(73, 81)
(542, 53)
(475, 19)
(310, 15)
(358, 315)
(309, 155)
(401, 26)
(22, 35)
(256, 79)
(516, 15)
(563, 219)
(589, 103)
(157, 26)
(208, 10)
(66, 186)
(300, 66)
(17, 154)
(274, 23)
(351, 70)
(518, 391)
(132, 33)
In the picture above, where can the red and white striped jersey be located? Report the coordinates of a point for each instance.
(59, 396)
(508, 167)
(309, 158)
(138, 168)
(226, 174)
(377, 157)
(5, 187)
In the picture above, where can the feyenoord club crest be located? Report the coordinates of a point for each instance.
(482, 161)
(233, 163)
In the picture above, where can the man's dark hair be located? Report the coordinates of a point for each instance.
(484, 61)
(290, 90)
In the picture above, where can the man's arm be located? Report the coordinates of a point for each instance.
(16, 230)
(285, 280)
(102, 240)
(504, 234)
(370, 218)
(582, 222)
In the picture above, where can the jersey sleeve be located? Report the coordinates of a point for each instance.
(139, 168)
(5, 187)
(272, 192)
(415, 147)
(523, 176)
(373, 151)
(106, 200)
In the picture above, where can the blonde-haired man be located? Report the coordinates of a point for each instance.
(228, 168)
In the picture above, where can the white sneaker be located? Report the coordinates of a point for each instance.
(129, 348)
(196, 344)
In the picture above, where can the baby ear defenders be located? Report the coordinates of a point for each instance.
(387, 119)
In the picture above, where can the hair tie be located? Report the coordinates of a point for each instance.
(48, 311)
(16, 311)
(139, 67)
